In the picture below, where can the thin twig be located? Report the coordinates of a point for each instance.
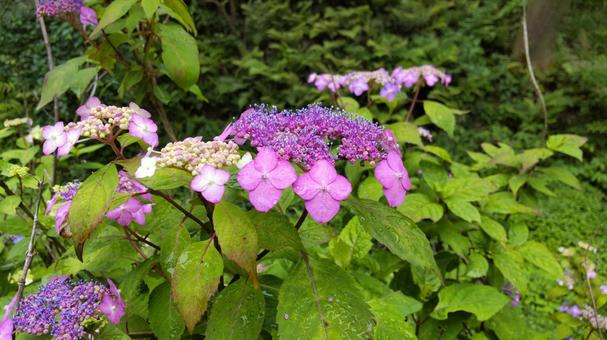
(30, 248)
(167, 198)
(540, 96)
(301, 219)
(412, 103)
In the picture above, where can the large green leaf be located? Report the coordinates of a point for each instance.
(91, 202)
(195, 280)
(389, 312)
(237, 312)
(477, 266)
(275, 231)
(539, 255)
(482, 301)
(114, 11)
(440, 115)
(179, 55)
(179, 11)
(237, 236)
(463, 209)
(567, 144)
(370, 189)
(510, 324)
(395, 231)
(9, 204)
(353, 243)
(511, 263)
(563, 175)
(318, 300)
(165, 320)
(150, 7)
(57, 81)
(418, 206)
(406, 132)
(504, 203)
(493, 228)
(174, 242)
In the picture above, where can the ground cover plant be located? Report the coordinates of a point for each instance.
(345, 210)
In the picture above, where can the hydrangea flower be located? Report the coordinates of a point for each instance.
(265, 178)
(72, 136)
(144, 128)
(54, 137)
(389, 91)
(112, 304)
(61, 216)
(147, 168)
(88, 16)
(63, 195)
(603, 289)
(6, 323)
(131, 210)
(393, 176)
(84, 111)
(57, 7)
(358, 86)
(210, 183)
(322, 190)
(192, 153)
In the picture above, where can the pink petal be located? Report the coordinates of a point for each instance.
(6, 329)
(61, 216)
(385, 175)
(323, 207)
(406, 181)
(340, 188)
(225, 134)
(395, 161)
(64, 149)
(305, 187)
(199, 183)
(151, 139)
(283, 175)
(323, 172)
(264, 197)
(132, 205)
(266, 160)
(49, 147)
(51, 203)
(222, 176)
(213, 193)
(249, 177)
(395, 195)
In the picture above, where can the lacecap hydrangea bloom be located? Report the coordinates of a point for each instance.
(66, 309)
(63, 196)
(100, 122)
(136, 207)
(391, 83)
(54, 8)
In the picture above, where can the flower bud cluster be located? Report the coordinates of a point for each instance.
(55, 7)
(192, 153)
(102, 120)
(60, 308)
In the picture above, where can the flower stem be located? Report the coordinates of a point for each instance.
(301, 219)
(207, 226)
(412, 103)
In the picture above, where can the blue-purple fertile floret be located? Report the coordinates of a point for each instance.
(307, 135)
(55, 7)
(60, 308)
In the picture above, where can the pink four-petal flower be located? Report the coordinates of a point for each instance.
(210, 183)
(131, 210)
(72, 136)
(393, 176)
(322, 189)
(265, 178)
(54, 137)
(144, 128)
(112, 304)
(84, 111)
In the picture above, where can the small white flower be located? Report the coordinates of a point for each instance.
(246, 158)
(147, 167)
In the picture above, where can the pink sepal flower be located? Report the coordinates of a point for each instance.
(393, 176)
(88, 16)
(265, 178)
(112, 304)
(72, 137)
(54, 137)
(6, 323)
(144, 128)
(84, 111)
(131, 210)
(61, 216)
(210, 183)
(322, 189)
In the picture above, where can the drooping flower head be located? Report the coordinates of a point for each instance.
(322, 190)
(88, 16)
(63, 196)
(61, 308)
(112, 304)
(394, 178)
(135, 208)
(307, 135)
(265, 178)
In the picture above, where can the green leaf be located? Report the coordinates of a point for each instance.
(437, 151)
(275, 231)
(493, 228)
(518, 233)
(542, 258)
(353, 243)
(390, 312)
(510, 262)
(516, 182)
(529, 158)
(150, 7)
(135, 291)
(563, 175)
(406, 132)
(179, 55)
(91, 202)
(57, 81)
(477, 266)
(370, 189)
(395, 231)
(237, 236)
(82, 79)
(196, 278)
(510, 324)
(482, 301)
(504, 203)
(440, 115)
(540, 183)
(165, 320)
(9, 204)
(178, 10)
(450, 236)
(237, 312)
(418, 206)
(567, 144)
(114, 11)
(463, 209)
(174, 242)
(318, 300)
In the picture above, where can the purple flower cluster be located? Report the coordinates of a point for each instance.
(306, 136)
(574, 311)
(63, 194)
(133, 209)
(62, 307)
(359, 82)
(53, 8)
